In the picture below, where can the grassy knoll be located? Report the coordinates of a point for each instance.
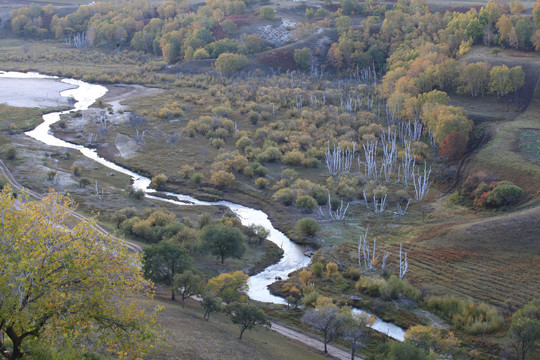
(188, 336)
(503, 156)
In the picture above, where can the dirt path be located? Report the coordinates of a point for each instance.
(16, 185)
(311, 342)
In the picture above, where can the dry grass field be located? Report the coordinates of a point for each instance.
(189, 337)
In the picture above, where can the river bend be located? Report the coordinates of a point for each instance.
(86, 94)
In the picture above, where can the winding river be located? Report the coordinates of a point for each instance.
(293, 258)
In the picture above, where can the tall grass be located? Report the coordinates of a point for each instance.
(393, 288)
(467, 315)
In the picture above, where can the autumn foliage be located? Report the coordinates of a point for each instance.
(61, 286)
(453, 146)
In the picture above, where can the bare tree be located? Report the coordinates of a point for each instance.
(401, 211)
(421, 183)
(403, 264)
(339, 213)
(389, 147)
(407, 163)
(379, 206)
(339, 160)
(370, 152)
(354, 329)
(366, 257)
(326, 319)
(365, 198)
(383, 264)
(138, 123)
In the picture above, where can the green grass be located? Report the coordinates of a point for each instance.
(20, 119)
(529, 143)
(504, 159)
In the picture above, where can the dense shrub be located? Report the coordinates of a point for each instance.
(261, 183)
(370, 285)
(467, 315)
(228, 63)
(267, 12)
(286, 196)
(317, 268)
(159, 180)
(485, 191)
(243, 143)
(331, 269)
(217, 143)
(221, 178)
(394, 288)
(306, 203)
(84, 182)
(197, 177)
(293, 157)
(309, 300)
(504, 194)
(270, 154)
(258, 169)
(307, 226)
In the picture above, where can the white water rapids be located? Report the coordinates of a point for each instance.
(86, 94)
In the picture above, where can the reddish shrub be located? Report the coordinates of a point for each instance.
(453, 146)
(282, 57)
(240, 20)
(218, 32)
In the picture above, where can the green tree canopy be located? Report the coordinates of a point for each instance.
(525, 329)
(164, 260)
(267, 12)
(223, 241)
(246, 316)
(228, 63)
(302, 57)
(188, 284)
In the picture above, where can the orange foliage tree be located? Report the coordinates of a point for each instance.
(453, 146)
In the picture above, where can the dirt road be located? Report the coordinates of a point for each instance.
(311, 342)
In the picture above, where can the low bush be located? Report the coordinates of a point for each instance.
(306, 203)
(307, 227)
(467, 315)
(293, 157)
(317, 268)
(394, 288)
(286, 196)
(370, 285)
(351, 273)
(261, 183)
(504, 194)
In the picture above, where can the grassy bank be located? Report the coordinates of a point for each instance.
(188, 336)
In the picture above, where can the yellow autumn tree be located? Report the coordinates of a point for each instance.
(229, 286)
(61, 286)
